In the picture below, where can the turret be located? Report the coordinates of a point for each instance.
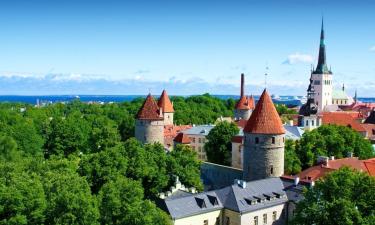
(243, 108)
(263, 154)
(167, 107)
(149, 126)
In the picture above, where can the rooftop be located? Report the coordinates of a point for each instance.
(199, 130)
(149, 110)
(165, 103)
(264, 119)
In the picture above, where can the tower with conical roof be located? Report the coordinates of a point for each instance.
(263, 154)
(322, 77)
(167, 107)
(149, 126)
(243, 108)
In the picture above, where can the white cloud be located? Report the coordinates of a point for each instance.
(372, 49)
(298, 58)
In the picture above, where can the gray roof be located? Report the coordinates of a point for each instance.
(239, 199)
(193, 205)
(293, 132)
(199, 130)
(254, 196)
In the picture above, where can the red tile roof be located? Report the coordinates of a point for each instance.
(182, 138)
(316, 172)
(241, 123)
(237, 139)
(251, 102)
(370, 129)
(165, 103)
(149, 110)
(242, 103)
(349, 119)
(265, 119)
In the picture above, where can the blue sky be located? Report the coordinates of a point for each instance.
(188, 47)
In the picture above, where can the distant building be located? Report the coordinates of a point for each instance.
(149, 125)
(181, 139)
(339, 97)
(329, 164)
(245, 105)
(166, 105)
(197, 135)
(267, 201)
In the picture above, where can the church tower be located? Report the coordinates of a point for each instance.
(263, 154)
(245, 105)
(322, 77)
(167, 107)
(149, 125)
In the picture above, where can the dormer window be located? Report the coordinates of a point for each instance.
(201, 203)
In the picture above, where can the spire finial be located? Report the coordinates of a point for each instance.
(343, 86)
(242, 84)
(265, 77)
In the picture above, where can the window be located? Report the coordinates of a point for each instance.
(199, 140)
(307, 123)
(227, 221)
(271, 170)
(265, 218)
(273, 140)
(256, 140)
(205, 222)
(193, 140)
(200, 149)
(255, 220)
(317, 82)
(274, 215)
(312, 122)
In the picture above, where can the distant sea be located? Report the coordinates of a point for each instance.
(289, 100)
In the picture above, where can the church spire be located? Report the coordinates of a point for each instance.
(322, 60)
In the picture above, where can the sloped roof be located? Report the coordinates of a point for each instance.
(348, 119)
(149, 110)
(251, 102)
(371, 118)
(242, 103)
(370, 166)
(165, 103)
(265, 119)
(182, 138)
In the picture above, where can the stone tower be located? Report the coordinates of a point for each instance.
(263, 154)
(149, 125)
(243, 108)
(322, 77)
(167, 107)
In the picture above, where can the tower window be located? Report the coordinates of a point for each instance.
(273, 140)
(271, 170)
(312, 122)
(256, 140)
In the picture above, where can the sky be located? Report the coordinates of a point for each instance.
(185, 46)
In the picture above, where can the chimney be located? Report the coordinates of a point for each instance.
(296, 181)
(323, 160)
(241, 183)
(242, 84)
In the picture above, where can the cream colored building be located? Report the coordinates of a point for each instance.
(260, 202)
(198, 138)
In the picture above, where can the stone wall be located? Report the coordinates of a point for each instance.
(149, 131)
(168, 118)
(242, 114)
(263, 159)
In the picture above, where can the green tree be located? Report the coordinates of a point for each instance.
(219, 146)
(121, 202)
(342, 197)
(332, 140)
(69, 199)
(183, 162)
(22, 199)
(101, 167)
(8, 148)
(292, 162)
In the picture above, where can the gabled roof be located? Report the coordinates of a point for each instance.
(265, 119)
(182, 138)
(242, 103)
(149, 110)
(165, 103)
(371, 118)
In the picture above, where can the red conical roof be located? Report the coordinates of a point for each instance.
(251, 102)
(264, 119)
(165, 103)
(149, 110)
(242, 103)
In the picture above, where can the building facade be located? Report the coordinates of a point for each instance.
(198, 138)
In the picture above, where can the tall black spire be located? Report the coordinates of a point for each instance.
(322, 61)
